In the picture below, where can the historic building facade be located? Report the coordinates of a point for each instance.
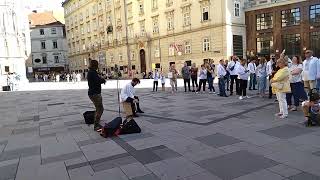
(272, 26)
(48, 43)
(148, 34)
(14, 40)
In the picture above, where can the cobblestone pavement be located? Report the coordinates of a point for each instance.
(184, 136)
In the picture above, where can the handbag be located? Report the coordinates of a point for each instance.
(277, 85)
(170, 75)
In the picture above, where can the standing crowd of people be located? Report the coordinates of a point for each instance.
(288, 79)
(57, 77)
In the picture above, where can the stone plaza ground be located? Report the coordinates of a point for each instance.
(184, 136)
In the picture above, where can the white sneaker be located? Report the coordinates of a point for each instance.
(248, 97)
(214, 93)
(283, 116)
(210, 92)
(240, 97)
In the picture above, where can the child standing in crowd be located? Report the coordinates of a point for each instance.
(202, 78)
(243, 74)
(173, 78)
(163, 81)
(262, 76)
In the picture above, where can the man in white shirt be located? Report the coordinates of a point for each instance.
(311, 70)
(253, 78)
(232, 68)
(127, 95)
(221, 75)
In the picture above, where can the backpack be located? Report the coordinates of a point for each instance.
(111, 129)
(89, 117)
(130, 127)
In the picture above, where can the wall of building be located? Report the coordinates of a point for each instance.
(50, 52)
(304, 29)
(220, 28)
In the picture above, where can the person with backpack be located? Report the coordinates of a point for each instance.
(94, 92)
(128, 95)
(232, 68)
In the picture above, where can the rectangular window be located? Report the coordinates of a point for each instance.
(133, 56)
(237, 8)
(141, 8)
(55, 44)
(264, 21)
(205, 13)
(131, 31)
(290, 17)
(155, 23)
(315, 14)
(154, 4)
(88, 27)
(56, 59)
(129, 8)
(157, 52)
(292, 44)
(238, 45)
(170, 23)
(265, 44)
(186, 18)
(120, 57)
(171, 50)
(82, 29)
(44, 59)
(142, 28)
(53, 31)
(315, 43)
(187, 47)
(43, 45)
(41, 31)
(206, 44)
(6, 69)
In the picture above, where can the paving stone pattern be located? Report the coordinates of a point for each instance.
(185, 136)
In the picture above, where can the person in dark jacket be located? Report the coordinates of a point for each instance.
(94, 92)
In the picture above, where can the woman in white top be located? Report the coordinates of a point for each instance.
(296, 84)
(262, 76)
(202, 78)
(243, 75)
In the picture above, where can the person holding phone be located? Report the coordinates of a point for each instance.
(243, 75)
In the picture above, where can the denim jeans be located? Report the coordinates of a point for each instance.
(262, 85)
(297, 91)
(210, 82)
(253, 81)
(227, 81)
(222, 87)
(318, 84)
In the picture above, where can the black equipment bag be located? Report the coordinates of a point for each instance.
(111, 128)
(130, 127)
(89, 117)
(6, 88)
(313, 117)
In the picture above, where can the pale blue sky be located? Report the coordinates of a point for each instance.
(42, 5)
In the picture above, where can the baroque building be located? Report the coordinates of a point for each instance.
(145, 34)
(14, 40)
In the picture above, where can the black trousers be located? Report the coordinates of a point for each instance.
(186, 81)
(155, 85)
(134, 106)
(234, 78)
(243, 87)
(270, 88)
(203, 83)
(194, 82)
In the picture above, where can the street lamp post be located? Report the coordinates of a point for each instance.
(127, 40)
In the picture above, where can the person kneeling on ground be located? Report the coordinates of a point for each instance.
(127, 95)
(311, 109)
(94, 92)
